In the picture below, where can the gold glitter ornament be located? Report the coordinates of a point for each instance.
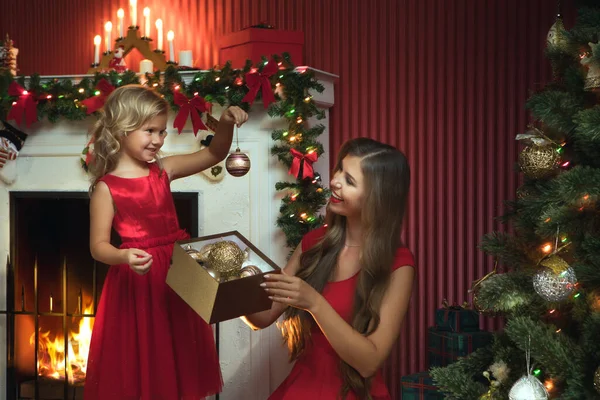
(539, 161)
(226, 258)
(557, 37)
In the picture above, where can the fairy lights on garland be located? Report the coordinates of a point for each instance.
(285, 91)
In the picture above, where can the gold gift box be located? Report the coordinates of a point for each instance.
(215, 300)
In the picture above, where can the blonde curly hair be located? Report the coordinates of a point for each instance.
(126, 109)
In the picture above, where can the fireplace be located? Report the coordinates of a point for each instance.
(53, 287)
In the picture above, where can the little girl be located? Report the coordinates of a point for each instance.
(147, 343)
(346, 288)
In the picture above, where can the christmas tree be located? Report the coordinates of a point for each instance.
(546, 282)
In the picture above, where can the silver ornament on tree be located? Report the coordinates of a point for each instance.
(237, 163)
(528, 387)
(556, 280)
(553, 286)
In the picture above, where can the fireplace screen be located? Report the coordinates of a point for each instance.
(53, 289)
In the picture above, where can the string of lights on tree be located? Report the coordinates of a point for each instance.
(284, 89)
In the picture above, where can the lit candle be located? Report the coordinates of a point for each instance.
(170, 36)
(108, 29)
(97, 41)
(120, 15)
(146, 22)
(159, 35)
(133, 5)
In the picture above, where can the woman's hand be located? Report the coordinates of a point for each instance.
(139, 261)
(292, 291)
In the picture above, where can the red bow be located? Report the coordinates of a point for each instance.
(95, 103)
(191, 107)
(25, 105)
(256, 80)
(308, 158)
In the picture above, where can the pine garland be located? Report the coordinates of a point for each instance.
(299, 211)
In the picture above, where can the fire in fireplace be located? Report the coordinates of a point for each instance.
(53, 289)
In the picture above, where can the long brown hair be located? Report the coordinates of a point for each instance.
(126, 109)
(387, 178)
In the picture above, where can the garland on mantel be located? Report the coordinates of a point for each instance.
(297, 147)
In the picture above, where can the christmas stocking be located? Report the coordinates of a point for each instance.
(11, 141)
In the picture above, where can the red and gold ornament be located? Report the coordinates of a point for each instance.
(237, 163)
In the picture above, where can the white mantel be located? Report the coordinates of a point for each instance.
(253, 363)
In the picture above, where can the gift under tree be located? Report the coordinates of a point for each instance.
(547, 284)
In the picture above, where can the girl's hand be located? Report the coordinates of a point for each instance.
(139, 261)
(234, 115)
(291, 291)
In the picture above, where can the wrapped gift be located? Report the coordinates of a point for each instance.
(219, 276)
(420, 386)
(456, 318)
(253, 43)
(446, 347)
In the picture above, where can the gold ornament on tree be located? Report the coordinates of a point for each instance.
(540, 158)
(474, 290)
(592, 79)
(237, 163)
(557, 37)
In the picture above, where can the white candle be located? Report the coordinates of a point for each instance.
(146, 66)
(159, 35)
(185, 58)
(108, 29)
(120, 15)
(170, 37)
(133, 5)
(146, 22)
(97, 41)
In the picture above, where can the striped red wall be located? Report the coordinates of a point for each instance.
(445, 80)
